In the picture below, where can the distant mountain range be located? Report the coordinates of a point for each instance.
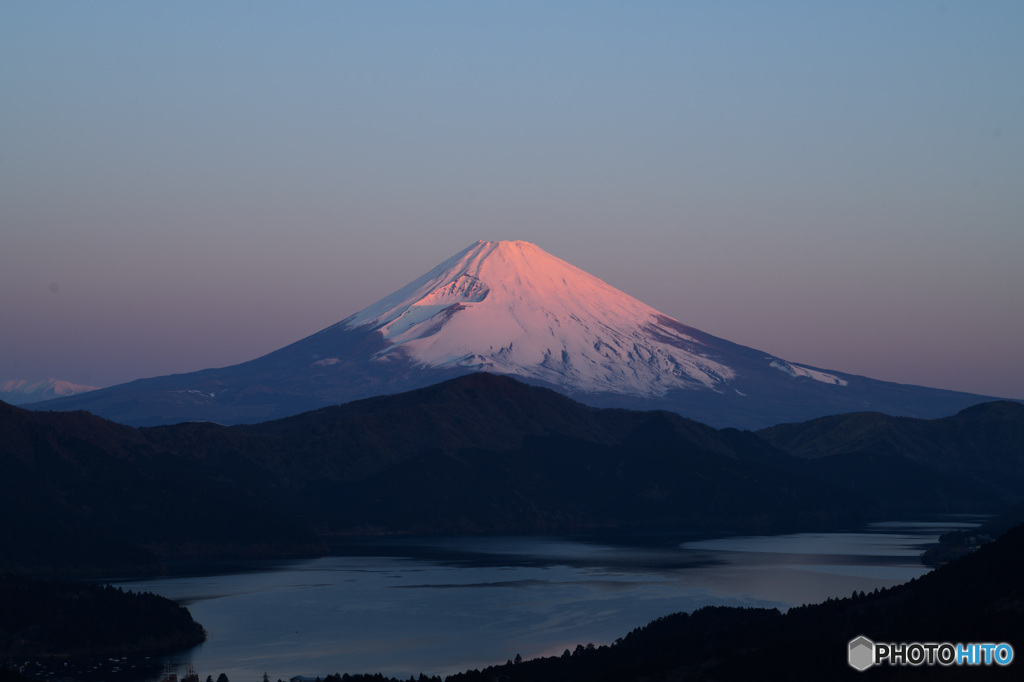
(22, 392)
(477, 454)
(511, 308)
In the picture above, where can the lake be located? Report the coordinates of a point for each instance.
(443, 605)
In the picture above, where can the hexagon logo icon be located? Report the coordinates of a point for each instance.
(862, 653)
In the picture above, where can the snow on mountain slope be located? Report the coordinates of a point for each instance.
(21, 392)
(800, 371)
(509, 307)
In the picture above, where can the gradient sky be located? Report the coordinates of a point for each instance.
(188, 185)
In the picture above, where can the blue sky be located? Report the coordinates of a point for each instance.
(186, 185)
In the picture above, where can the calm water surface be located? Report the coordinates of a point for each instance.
(445, 605)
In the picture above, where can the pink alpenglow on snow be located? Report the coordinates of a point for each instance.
(510, 307)
(21, 392)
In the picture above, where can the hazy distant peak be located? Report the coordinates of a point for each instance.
(21, 391)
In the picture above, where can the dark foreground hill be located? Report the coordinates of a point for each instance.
(980, 448)
(477, 454)
(45, 618)
(486, 453)
(81, 495)
(976, 599)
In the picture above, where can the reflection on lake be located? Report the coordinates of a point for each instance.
(442, 605)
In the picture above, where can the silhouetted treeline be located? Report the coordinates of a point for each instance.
(337, 677)
(378, 678)
(54, 618)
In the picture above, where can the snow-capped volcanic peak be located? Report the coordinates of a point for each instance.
(510, 307)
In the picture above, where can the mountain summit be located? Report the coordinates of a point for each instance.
(512, 308)
(509, 307)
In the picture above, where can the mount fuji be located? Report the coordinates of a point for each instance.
(511, 308)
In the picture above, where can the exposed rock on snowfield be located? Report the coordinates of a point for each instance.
(512, 308)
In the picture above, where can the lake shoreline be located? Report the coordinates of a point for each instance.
(446, 605)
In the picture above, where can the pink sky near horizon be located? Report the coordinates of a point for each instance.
(189, 186)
